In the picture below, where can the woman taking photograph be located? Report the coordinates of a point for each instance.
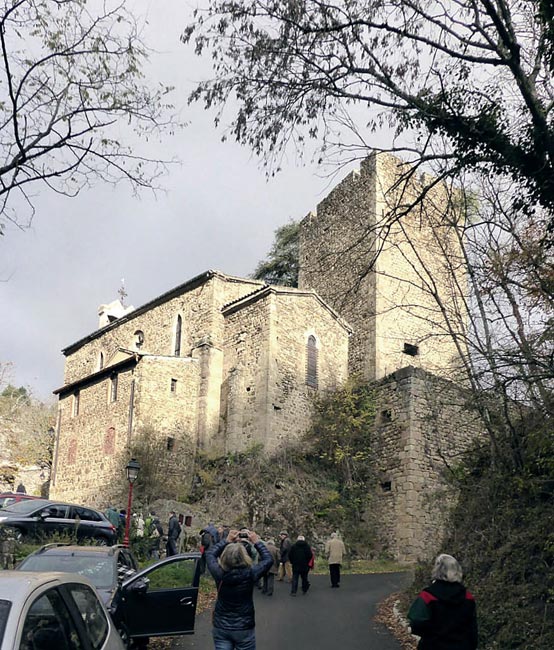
(235, 577)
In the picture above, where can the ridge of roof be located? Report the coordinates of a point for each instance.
(99, 374)
(158, 300)
(239, 303)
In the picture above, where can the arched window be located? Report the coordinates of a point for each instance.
(178, 330)
(311, 362)
(138, 339)
(113, 387)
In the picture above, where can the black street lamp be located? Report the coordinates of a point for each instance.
(132, 469)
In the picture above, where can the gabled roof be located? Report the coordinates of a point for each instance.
(124, 361)
(164, 297)
(266, 290)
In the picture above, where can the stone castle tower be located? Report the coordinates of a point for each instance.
(375, 255)
(224, 363)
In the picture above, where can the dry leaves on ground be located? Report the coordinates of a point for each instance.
(387, 616)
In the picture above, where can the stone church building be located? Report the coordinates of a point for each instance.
(229, 363)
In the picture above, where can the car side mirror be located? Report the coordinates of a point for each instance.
(45, 513)
(139, 586)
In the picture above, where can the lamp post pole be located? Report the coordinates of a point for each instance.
(132, 469)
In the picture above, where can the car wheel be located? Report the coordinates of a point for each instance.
(102, 541)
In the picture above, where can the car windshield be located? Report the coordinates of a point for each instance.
(5, 501)
(99, 569)
(4, 611)
(26, 507)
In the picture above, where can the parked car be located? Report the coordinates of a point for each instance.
(40, 518)
(46, 611)
(8, 498)
(157, 601)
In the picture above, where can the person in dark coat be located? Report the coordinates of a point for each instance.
(300, 555)
(269, 577)
(235, 577)
(206, 540)
(444, 613)
(284, 548)
(173, 532)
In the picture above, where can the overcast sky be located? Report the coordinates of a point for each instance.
(218, 212)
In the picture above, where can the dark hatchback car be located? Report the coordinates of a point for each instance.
(157, 601)
(40, 518)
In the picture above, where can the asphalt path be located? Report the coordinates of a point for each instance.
(323, 619)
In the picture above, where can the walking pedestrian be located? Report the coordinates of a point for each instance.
(154, 532)
(113, 516)
(173, 532)
(235, 576)
(285, 568)
(300, 556)
(444, 613)
(206, 541)
(334, 549)
(269, 577)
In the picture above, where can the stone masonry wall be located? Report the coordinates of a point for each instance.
(266, 399)
(87, 454)
(337, 246)
(290, 398)
(379, 261)
(419, 263)
(424, 423)
(244, 391)
(92, 447)
(170, 408)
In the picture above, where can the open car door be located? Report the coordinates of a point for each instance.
(161, 599)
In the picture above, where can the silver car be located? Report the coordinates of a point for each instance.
(47, 611)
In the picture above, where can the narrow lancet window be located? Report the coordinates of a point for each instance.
(178, 330)
(311, 362)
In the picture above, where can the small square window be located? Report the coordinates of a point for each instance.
(386, 486)
(173, 385)
(386, 415)
(411, 350)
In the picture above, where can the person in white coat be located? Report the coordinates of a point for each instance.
(335, 550)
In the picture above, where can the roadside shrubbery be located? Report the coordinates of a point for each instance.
(502, 531)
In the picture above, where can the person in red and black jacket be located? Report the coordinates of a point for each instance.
(444, 613)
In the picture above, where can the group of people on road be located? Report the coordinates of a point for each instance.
(239, 561)
(443, 615)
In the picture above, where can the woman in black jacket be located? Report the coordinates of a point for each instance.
(444, 613)
(235, 577)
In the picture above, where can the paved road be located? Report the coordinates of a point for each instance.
(324, 619)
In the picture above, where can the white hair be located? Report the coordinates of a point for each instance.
(447, 568)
